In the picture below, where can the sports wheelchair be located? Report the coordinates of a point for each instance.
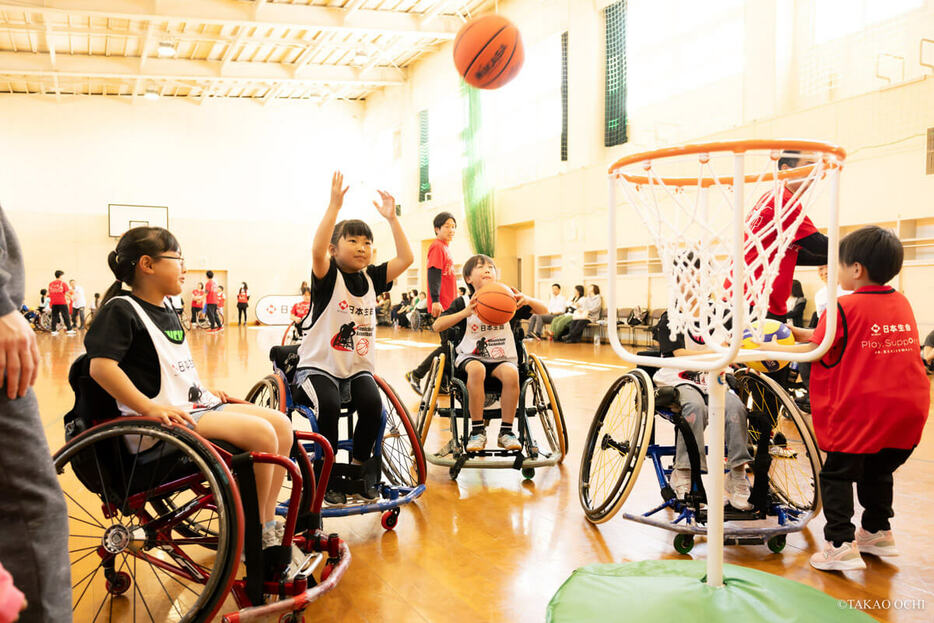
(293, 334)
(397, 452)
(165, 523)
(538, 400)
(785, 467)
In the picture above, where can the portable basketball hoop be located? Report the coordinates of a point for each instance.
(693, 201)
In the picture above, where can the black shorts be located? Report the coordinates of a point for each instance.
(461, 370)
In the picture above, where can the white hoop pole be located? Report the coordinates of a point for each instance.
(716, 391)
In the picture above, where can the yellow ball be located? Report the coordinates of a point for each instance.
(773, 331)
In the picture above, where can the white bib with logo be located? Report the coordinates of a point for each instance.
(179, 385)
(341, 341)
(673, 376)
(488, 343)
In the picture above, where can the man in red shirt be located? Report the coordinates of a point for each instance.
(442, 285)
(58, 297)
(210, 301)
(809, 247)
(870, 399)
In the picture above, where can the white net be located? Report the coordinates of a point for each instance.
(689, 198)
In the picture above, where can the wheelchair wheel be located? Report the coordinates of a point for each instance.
(118, 545)
(45, 321)
(616, 445)
(202, 321)
(429, 401)
(290, 336)
(549, 409)
(796, 465)
(185, 319)
(268, 392)
(403, 458)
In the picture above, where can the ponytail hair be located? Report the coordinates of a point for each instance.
(132, 245)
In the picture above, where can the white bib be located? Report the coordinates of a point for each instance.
(341, 341)
(488, 343)
(672, 376)
(179, 385)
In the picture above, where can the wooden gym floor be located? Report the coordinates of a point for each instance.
(492, 547)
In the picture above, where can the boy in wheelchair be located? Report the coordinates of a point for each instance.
(692, 391)
(487, 351)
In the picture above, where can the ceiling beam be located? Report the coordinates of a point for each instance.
(18, 63)
(223, 12)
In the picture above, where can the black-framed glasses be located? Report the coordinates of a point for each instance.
(170, 257)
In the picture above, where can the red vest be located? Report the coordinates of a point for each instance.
(870, 390)
(242, 297)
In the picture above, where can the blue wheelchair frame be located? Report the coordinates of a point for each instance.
(392, 496)
(689, 523)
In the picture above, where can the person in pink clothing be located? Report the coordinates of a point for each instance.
(12, 600)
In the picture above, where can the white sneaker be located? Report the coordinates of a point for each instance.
(843, 558)
(737, 489)
(880, 543)
(71, 332)
(270, 537)
(54, 332)
(680, 481)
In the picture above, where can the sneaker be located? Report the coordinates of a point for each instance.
(54, 332)
(415, 381)
(270, 538)
(843, 558)
(335, 498)
(476, 442)
(508, 441)
(680, 481)
(70, 332)
(737, 489)
(880, 543)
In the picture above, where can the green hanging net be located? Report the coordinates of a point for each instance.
(478, 198)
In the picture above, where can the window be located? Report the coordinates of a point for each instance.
(424, 185)
(615, 96)
(564, 97)
(837, 18)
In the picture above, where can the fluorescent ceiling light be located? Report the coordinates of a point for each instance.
(151, 94)
(166, 49)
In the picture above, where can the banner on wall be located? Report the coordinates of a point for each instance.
(274, 309)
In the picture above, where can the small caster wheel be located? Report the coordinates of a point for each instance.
(776, 543)
(120, 584)
(684, 543)
(453, 473)
(528, 473)
(389, 519)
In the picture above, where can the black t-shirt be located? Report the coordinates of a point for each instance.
(666, 345)
(459, 305)
(322, 289)
(118, 333)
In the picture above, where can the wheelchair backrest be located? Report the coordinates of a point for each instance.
(285, 358)
(92, 405)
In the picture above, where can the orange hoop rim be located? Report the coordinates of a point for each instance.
(736, 147)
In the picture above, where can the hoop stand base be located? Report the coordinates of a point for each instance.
(676, 590)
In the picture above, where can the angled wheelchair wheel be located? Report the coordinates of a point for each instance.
(202, 321)
(269, 392)
(45, 321)
(429, 401)
(185, 319)
(548, 408)
(616, 445)
(403, 458)
(291, 335)
(121, 544)
(796, 463)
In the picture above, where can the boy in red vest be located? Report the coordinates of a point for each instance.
(869, 396)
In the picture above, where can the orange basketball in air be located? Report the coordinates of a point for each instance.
(496, 303)
(488, 52)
